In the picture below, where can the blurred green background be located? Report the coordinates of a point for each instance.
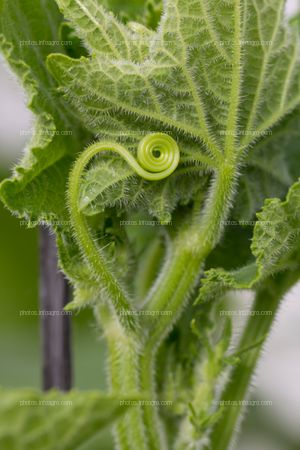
(266, 428)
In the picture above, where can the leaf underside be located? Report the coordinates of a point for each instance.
(215, 75)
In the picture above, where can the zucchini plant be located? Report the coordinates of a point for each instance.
(165, 159)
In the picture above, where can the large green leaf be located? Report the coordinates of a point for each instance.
(188, 79)
(28, 33)
(179, 83)
(30, 419)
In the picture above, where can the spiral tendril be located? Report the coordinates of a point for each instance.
(157, 157)
(158, 154)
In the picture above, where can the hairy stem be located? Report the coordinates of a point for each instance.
(87, 244)
(123, 377)
(187, 270)
(268, 298)
(177, 280)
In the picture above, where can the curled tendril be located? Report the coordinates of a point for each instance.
(157, 157)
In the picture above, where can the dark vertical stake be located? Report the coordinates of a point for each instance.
(55, 327)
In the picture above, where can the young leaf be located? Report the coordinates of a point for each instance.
(112, 183)
(275, 246)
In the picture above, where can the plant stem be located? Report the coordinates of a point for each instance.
(198, 240)
(185, 281)
(268, 298)
(177, 281)
(123, 373)
(88, 245)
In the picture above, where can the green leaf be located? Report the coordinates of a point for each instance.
(86, 291)
(105, 185)
(30, 419)
(275, 247)
(276, 236)
(218, 281)
(169, 86)
(115, 247)
(112, 183)
(187, 79)
(27, 36)
(138, 81)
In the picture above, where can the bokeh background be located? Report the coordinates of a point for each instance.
(277, 379)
